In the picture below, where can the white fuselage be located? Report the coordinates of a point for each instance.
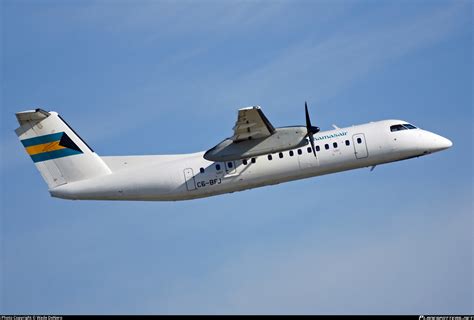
(190, 176)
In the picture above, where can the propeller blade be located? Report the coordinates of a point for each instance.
(311, 140)
(308, 120)
(310, 129)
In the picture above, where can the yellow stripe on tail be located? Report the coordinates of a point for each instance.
(45, 147)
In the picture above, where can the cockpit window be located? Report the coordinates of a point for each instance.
(404, 126)
(397, 127)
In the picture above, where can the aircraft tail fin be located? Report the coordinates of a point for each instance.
(60, 155)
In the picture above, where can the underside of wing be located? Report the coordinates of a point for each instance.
(251, 124)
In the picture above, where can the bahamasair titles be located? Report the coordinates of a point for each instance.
(256, 155)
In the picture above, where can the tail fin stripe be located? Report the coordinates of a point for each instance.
(54, 154)
(50, 146)
(42, 139)
(45, 147)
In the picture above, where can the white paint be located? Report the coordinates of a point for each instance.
(168, 178)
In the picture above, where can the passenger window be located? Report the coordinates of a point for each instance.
(230, 165)
(218, 167)
(326, 146)
(347, 143)
(291, 153)
(280, 155)
(300, 152)
(201, 170)
(310, 150)
(334, 145)
(254, 160)
(269, 157)
(318, 148)
(244, 162)
(359, 140)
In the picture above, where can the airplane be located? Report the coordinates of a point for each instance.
(256, 155)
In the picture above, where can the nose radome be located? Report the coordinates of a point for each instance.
(438, 143)
(445, 143)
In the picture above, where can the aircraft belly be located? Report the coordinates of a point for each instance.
(142, 184)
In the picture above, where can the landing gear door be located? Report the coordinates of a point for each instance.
(360, 146)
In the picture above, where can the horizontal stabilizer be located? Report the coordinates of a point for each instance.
(31, 115)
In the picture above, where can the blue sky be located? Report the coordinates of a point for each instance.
(159, 77)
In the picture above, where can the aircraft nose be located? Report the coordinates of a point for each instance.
(434, 142)
(444, 143)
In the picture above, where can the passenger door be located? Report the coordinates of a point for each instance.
(360, 146)
(189, 178)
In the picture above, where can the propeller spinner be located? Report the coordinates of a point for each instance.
(310, 129)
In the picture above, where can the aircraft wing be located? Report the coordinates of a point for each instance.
(251, 124)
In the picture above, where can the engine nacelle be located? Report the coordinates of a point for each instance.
(282, 139)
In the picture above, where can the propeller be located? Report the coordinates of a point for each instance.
(310, 129)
